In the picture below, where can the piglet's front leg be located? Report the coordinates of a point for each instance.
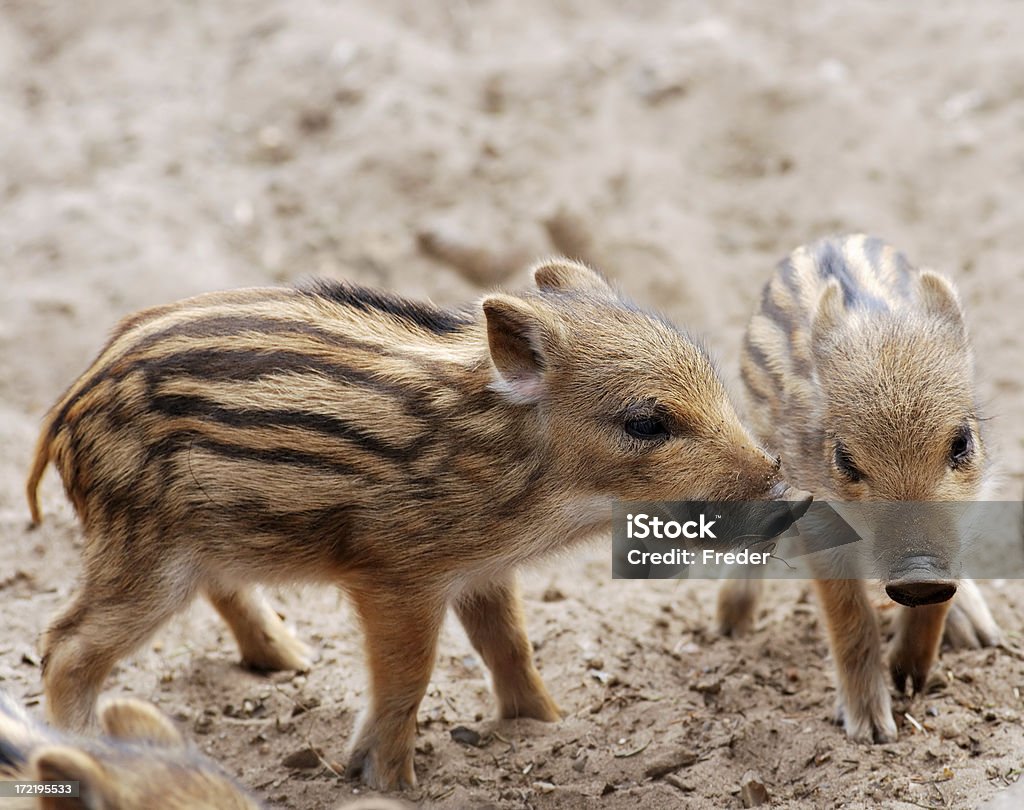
(916, 645)
(864, 706)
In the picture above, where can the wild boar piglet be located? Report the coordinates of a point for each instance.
(411, 454)
(859, 371)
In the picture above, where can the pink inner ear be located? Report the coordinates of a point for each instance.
(529, 388)
(523, 390)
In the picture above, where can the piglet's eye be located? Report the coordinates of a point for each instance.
(650, 429)
(845, 464)
(961, 449)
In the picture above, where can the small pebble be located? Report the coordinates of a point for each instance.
(708, 686)
(753, 793)
(466, 736)
(304, 705)
(303, 759)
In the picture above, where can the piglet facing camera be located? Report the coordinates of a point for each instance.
(859, 371)
(411, 454)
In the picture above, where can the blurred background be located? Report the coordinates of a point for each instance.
(153, 151)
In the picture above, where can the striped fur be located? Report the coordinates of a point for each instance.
(870, 368)
(858, 370)
(412, 454)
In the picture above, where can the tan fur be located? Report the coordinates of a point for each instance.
(853, 349)
(415, 456)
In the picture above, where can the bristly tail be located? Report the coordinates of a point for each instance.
(55, 417)
(39, 464)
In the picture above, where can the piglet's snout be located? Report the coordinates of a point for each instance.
(785, 507)
(796, 501)
(799, 499)
(920, 580)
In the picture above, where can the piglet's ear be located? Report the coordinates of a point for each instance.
(940, 299)
(63, 763)
(565, 274)
(138, 721)
(829, 313)
(516, 338)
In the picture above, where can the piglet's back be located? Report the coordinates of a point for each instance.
(257, 406)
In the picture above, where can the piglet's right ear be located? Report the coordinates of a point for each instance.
(62, 763)
(515, 336)
(136, 720)
(565, 274)
(941, 300)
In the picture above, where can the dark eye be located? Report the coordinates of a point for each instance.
(961, 449)
(844, 463)
(649, 429)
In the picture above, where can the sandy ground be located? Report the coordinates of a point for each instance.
(152, 151)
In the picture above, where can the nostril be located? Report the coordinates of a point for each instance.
(920, 592)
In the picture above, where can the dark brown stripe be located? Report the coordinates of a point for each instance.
(224, 364)
(219, 326)
(187, 440)
(828, 258)
(421, 314)
(238, 365)
(316, 530)
(757, 356)
(777, 314)
(226, 326)
(229, 325)
(787, 275)
(197, 407)
(760, 396)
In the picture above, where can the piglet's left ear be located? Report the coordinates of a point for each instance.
(516, 337)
